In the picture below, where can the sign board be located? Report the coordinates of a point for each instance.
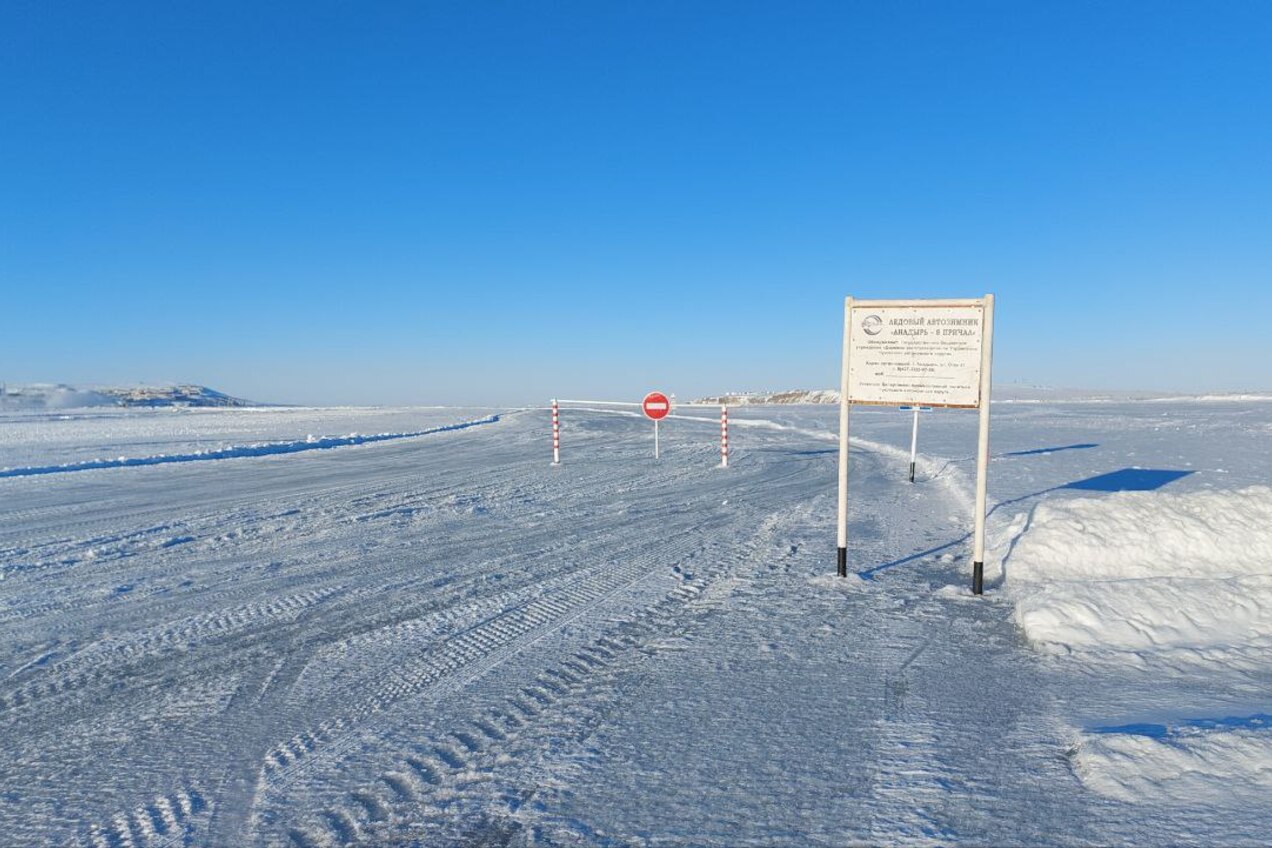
(914, 353)
(918, 353)
(656, 406)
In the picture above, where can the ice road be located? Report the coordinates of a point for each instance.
(288, 632)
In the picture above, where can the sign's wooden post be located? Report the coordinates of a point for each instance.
(982, 449)
(843, 442)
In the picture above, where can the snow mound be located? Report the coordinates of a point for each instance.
(1156, 581)
(1142, 615)
(1215, 765)
(1138, 571)
(1148, 534)
(310, 443)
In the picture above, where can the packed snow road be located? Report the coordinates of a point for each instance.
(437, 638)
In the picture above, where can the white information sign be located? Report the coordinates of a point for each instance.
(918, 353)
(912, 355)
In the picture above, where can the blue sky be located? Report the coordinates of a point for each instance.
(465, 202)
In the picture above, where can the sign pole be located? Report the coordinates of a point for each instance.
(914, 443)
(656, 405)
(724, 437)
(843, 445)
(982, 449)
(556, 434)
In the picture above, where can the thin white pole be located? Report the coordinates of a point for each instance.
(556, 434)
(914, 443)
(655, 438)
(724, 436)
(982, 448)
(843, 444)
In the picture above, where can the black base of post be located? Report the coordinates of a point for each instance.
(843, 562)
(978, 578)
(911, 472)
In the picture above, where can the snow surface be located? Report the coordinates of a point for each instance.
(440, 639)
(1193, 766)
(1168, 580)
(1144, 534)
(43, 439)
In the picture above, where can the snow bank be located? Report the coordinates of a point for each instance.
(1216, 765)
(1147, 535)
(240, 451)
(1139, 571)
(1141, 615)
(1176, 577)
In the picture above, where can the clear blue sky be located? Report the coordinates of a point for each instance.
(452, 202)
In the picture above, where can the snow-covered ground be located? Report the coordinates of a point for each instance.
(436, 638)
(33, 440)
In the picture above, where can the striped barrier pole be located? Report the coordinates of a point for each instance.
(724, 436)
(556, 434)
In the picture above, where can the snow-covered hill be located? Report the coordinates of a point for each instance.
(183, 395)
(792, 396)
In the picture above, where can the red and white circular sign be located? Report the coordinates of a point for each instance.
(656, 405)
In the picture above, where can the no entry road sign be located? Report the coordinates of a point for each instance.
(656, 405)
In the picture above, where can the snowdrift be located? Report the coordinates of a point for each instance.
(1176, 578)
(1212, 766)
(1139, 571)
(239, 451)
(1141, 615)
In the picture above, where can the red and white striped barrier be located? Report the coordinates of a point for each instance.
(556, 434)
(657, 408)
(724, 437)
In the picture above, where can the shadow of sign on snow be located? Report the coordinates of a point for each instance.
(794, 452)
(1016, 454)
(1128, 480)
(1122, 480)
(1043, 451)
(1258, 721)
(266, 449)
